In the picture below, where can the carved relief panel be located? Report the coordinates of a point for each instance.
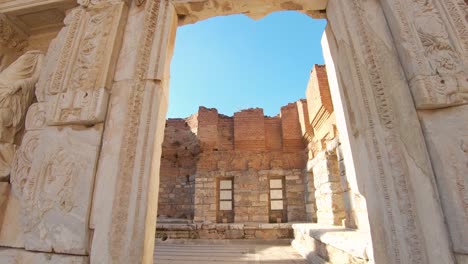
(431, 37)
(57, 193)
(77, 90)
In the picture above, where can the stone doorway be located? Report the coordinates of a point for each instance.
(397, 73)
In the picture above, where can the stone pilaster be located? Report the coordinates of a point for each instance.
(394, 171)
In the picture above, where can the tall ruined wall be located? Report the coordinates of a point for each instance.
(248, 149)
(179, 158)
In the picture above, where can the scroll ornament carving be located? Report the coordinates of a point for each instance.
(17, 83)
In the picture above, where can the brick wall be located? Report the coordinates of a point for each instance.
(249, 129)
(273, 138)
(291, 128)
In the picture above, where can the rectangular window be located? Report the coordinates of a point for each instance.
(225, 194)
(276, 195)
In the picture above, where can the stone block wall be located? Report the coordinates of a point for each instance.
(177, 172)
(324, 191)
(249, 149)
(309, 196)
(328, 190)
(250, 172)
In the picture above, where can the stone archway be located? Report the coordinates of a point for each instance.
(106, 80)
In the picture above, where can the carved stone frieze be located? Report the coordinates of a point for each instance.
(431, 38)
(58, 188)
(77, 92)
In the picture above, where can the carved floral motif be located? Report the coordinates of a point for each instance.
(440, 52)
(435, 60)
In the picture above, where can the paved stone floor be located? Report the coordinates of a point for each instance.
(225, 251)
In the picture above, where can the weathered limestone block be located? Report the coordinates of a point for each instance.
(17, 83)
(57, 193)
(77, 91)
(13, 256)
(446, 135)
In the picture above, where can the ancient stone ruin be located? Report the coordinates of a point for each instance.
(80, 160)
(250, 176)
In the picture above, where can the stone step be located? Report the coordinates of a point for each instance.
(225, 251)
(334, 244)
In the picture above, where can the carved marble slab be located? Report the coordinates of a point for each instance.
(446, 135)
(58, 190)
(78, 89)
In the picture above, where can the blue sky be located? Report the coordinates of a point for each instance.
(233, 63)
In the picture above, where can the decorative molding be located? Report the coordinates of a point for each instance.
(128, 149)
(78, 90)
